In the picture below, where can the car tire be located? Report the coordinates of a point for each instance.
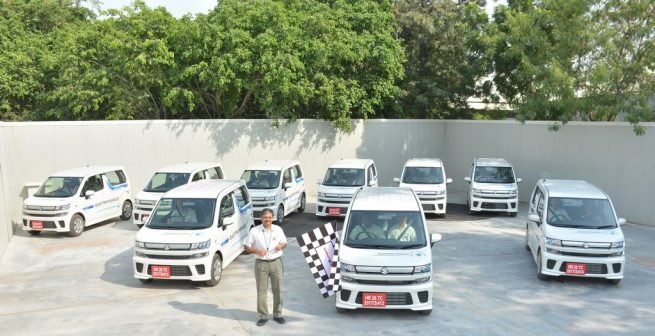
(303, 203)
(216, 271)
(34, 232)
(513, 214)
(145, 281)
(126, 210)
(280, 215)
(76, 226)
(540, 275)
(341, 310)
(425, 312)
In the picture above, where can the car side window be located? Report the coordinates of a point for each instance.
(198, 176)
(215, 173)
(93, 183)
(297, 171)
(242, 197)
(374, 172)
(287, 176)
(540, 204)
(227, 206)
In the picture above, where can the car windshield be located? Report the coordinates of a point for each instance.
(163, 182)
(423, 175)
(390, 230)
(261, 179)
(494, 174)
(580, 213)
(56, 186)
(183, 214)
(344, 177)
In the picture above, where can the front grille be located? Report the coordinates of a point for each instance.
(45, 215)
(432, 198)
(423, 296)
(591, 255)
(393, 299)
(162, 246)
(591, 268)
(176, 270)
(385, 282)
(169, 257)
(48, 225)
(345, 295)
(333, 201)
(256, 214)
(485, 205)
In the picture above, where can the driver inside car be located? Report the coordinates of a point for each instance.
(366, 229)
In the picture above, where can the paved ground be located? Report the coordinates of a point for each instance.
(485, 284)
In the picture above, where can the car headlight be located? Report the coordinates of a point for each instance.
(25, 207)
(348, 267)
(513, 192)
(201, 245)
(440, 192)
(139, 244)
(423, 269)
(62, 207)
(321, 194)
(476, 191)
(618, 244)
(551, 241)
(270, 198)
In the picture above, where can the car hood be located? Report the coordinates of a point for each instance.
(262, 192)
(373, 257)
(149, 235)
(338, 190)
(423, 187)
(585, 235)
(149, 196)
(48, 201)
(494, 186)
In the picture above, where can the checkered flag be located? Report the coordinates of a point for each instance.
(321, 250)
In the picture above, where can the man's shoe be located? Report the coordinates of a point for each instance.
(261, 322)
(280, 320)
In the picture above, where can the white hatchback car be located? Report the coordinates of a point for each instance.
(342, 179)
(70, 200)
(170, 177)
(277, 185)
(573, 230)
(427, 177)
(492, 186)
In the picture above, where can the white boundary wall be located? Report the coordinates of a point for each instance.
(606, 154)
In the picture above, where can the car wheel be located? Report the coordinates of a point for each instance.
(341, 310)
(540, 275)
(614, 281)
(513, 214)
(525, 244)
(280, 215)
(216, 272)
(34, 233)
(76, 226)
(425, 312)
(303, 203)
(126, 212)
(145, 281)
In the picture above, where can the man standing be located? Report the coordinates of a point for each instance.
(267, 242)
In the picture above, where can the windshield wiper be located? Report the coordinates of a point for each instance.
(605, 227)
(575, 226)
(412, 246)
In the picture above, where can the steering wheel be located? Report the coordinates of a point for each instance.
(366, 233)
(560, 218)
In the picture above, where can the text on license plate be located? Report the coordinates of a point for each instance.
(576, 269)
(374, 299)
(160, 271)
(37, 225)
(334, 211)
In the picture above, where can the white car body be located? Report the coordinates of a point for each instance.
(398, 276)
(427, 177)
(284, 191)
(333, 198)
(493, 186)
(572, 242)
(94, 193)
(146, 199)
(182, 251)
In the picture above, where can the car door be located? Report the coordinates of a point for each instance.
(291, 192)
(95, 206)
(246, 220)
(534, 228)
(229, 241)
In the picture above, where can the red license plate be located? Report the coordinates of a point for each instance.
(576, 269)
(163, 272)
(334, 211)
(38, 225)
(374, 300)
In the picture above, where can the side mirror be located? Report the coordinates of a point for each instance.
(519, 180)
(89, 193)
(435, 237)
(449, 180)
(372, 183)
(225, 222)
(319, 181)
(288, 185)
(621, 221)
(467, 179)
(534, 218)
(396, 179)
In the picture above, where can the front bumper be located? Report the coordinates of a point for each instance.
(597, 267)
(494, 204)
(50, 223)
(412, 297)
(323, 208)
(186, 269)
(139, 215)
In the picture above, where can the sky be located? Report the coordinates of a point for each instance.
(179, 8)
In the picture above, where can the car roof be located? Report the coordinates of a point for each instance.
(386, 198)
(424, 162)
(203, 189)
(87, 171)
(572, 189)
(188, 167)
(351, 163)
(272, 165)
(492, 162)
